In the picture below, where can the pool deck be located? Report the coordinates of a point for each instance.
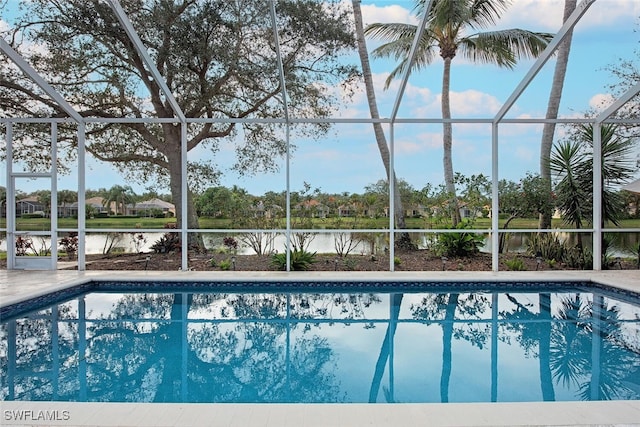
(16, 286)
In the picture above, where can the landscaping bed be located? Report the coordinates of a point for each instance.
(417, 260)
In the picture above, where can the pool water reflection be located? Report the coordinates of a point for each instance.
(353, 346)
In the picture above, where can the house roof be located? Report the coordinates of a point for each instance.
(154, 203)
(30, 199)
(634, 186)
(96, 202)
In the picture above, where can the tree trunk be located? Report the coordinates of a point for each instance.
(447, 343)
(385, 349)
(544, 359)
(381, 140)
(447, 142)
(503, 236)
(552, 112)
(175, 182)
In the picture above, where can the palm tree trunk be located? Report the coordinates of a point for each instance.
(552, 112)
(447, 142)
(385, 348)
(377, 127)
(544, 343)
(447, 344)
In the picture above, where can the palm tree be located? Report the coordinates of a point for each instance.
(571, 164)
(552, 111)
(381, 140)
(120, 195)
(447, 34)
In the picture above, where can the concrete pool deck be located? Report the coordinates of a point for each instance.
(16, 286)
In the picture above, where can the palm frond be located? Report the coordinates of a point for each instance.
(485, 13)
(390, 31)
(401, 39)
(505, 47)
(453, 13)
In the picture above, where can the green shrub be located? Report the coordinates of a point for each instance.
(169, 242)
(300, 260)
(547, 246)
(397, 261)
(459, 244)
(515, 264)
(350, 264)
(225, 264)
(574, 258)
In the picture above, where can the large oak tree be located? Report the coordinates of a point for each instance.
(217, 57)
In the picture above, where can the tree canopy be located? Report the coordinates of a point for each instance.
(218, 59)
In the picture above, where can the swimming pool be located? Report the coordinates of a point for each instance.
(324, 342)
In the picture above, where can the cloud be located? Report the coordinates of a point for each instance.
(601, 101)
(526, 153)
(472, 102)
(468, 103)
(546, 15)
(4, 26)
(387, 14)
(419, 143)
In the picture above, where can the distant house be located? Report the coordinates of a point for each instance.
(97, 205)
(29, 205)
(348, 210)
(416, 211)
(262, 211)
(66, 210)
(317, 209)
(147, 208)
(464, 209)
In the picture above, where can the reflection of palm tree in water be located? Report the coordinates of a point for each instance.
(535, 333)
(582, 347)
(431, 308)
(396, 301)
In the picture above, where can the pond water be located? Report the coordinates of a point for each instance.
(96, 243)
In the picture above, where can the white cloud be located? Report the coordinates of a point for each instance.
(601, 101)
(472, 102)
(4, 25)
(540, 15)
(419, 143)
(546, 15)
(387, 14)
(526, 154)
(466, 103)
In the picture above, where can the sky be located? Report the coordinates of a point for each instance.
(347, 158)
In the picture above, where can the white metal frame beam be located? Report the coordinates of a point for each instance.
(568, 25)
(411, 59)
(144, 53)
(544, 57)
(626, 97)
(597, 172)
(285, 104)
(394, 113)
(37, 78)
(159, 79)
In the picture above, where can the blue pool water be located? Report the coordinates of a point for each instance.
(335, 342)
